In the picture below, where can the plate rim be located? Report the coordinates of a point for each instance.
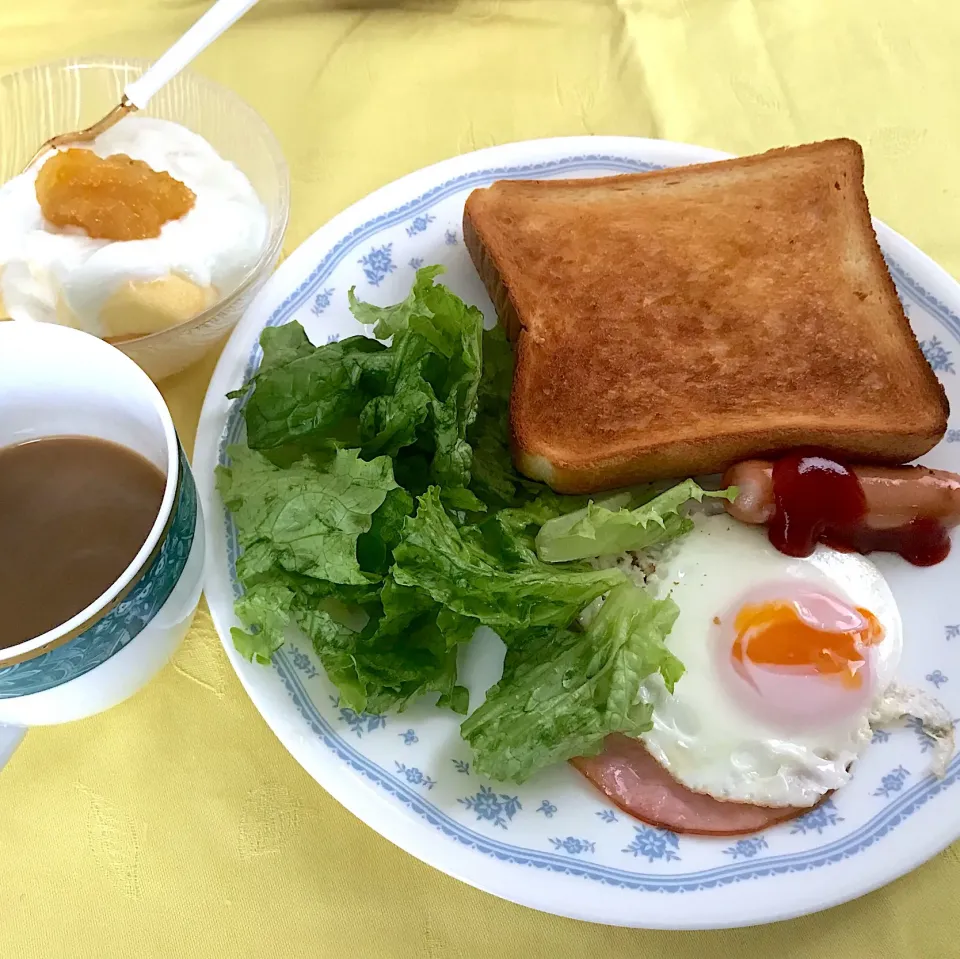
(368, 803)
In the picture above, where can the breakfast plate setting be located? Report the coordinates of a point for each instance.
(579, 513)
(870, 793)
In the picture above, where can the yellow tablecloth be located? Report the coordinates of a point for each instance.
(176, 825)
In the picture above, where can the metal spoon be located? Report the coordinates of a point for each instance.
(136, 95)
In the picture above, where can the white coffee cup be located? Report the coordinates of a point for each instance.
(56, 381)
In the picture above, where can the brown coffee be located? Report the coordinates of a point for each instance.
(74, 511)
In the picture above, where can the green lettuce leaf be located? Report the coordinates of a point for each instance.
(387, 320)
(407, 649)
(308, 398)
(454, 332)
(375, 547)
(335, 645)
(300, 529)
(417, 395)
(508, 536)
(272, 596)
(306, 517)
(611, 526)
(493, 476)
(264, 608)
(561, 694)
(396, 417)
(280, 345)
(456, 570)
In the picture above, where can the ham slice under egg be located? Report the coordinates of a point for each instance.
(628, 775)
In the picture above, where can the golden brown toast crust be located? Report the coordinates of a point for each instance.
(672, 323)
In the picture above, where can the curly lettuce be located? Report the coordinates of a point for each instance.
(609, 527)
(437, 557)
(561, 694)
(379, 513)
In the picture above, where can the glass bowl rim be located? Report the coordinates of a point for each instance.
(277, 226)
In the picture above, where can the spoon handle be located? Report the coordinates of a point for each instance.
(223, 14)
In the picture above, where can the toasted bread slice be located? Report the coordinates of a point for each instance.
(672, 323)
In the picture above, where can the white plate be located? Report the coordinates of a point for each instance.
(554, 843)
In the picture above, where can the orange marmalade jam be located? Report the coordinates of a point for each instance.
(111, 198)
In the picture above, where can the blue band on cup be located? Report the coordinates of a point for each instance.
(108, 635)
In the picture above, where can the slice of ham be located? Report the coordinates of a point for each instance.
(640, 786)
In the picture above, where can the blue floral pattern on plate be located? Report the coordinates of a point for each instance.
(377, 263)
(892, 782)
(127, 619)
(413, 775)
(662, 846)
(746, 848)
(302, 661)
(488, 805)
(654, 844)
(420, 223)
(574, 846)
(547, 808)
(817, 820)
(938, 356)
(359, 723)
(321, 301)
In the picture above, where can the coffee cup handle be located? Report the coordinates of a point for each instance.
(10, 738)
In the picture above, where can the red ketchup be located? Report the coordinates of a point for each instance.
(819, 500)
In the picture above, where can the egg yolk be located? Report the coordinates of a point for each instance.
(775, 634)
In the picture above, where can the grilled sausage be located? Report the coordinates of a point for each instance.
(895, 496)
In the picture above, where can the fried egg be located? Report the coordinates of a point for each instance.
(785, 660)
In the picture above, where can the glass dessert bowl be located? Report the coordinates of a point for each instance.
(39, 101)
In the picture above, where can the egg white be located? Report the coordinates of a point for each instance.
(701, 733)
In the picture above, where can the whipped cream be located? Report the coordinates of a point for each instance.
(57, 275)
